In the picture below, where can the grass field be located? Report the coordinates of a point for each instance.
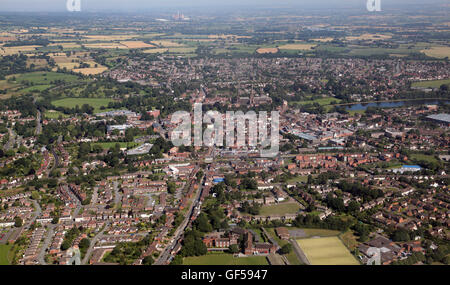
(225, 259)
(4, 254)
(297, 179)
(326, 251)
(93, 102)
(280, 209)
(431, 83)
(424, 157)
(44, 78)
(320, 101)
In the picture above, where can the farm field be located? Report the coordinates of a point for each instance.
(97, 103)
(136, 44)
(326, 251)
(437, 52)
(267, 50)
(156, 50)
(17, 49)
(280, 209)
(166, 43)
(297, 46)
(225, 259)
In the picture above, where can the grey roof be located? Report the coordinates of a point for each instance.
(440, 117)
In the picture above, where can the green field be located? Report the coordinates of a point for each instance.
(320, 101)
(431, 83)
(225, 259)
(108, 145)
(4, 253)
(326, 251)
(320, 232)
(280, 209)
(93, 102)
(424, 157)
(36, 88)
(44, 78)
(297, 179)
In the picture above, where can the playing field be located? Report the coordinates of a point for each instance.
(280, 209)
(72, 102)
(224, 259)
(4, 252)
(326, 251)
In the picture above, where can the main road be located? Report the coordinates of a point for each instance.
(165, 256)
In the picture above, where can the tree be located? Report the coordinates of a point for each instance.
(287, 248)
(148, 260)
(234, 248)
(18, 222)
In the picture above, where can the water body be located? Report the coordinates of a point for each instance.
(364, 106)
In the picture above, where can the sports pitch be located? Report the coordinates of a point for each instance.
(326, 251)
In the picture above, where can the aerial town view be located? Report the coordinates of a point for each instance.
(260, 133)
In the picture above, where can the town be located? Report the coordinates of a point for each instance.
(89, 174)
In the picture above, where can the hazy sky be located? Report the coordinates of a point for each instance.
(143, 5)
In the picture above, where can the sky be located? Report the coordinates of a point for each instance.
(145, 5)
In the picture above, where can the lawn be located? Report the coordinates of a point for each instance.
(326, 251)
(93, 102)
(280, 209)
(431, 83)
(4, 253)
(225, 259)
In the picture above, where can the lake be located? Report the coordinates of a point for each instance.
(364, 106)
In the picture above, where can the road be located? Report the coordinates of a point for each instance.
(299, 252)
(12, 140)
(38, 123)
(117, 196)
(165, 256)
(46, 244)
(94, 240)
